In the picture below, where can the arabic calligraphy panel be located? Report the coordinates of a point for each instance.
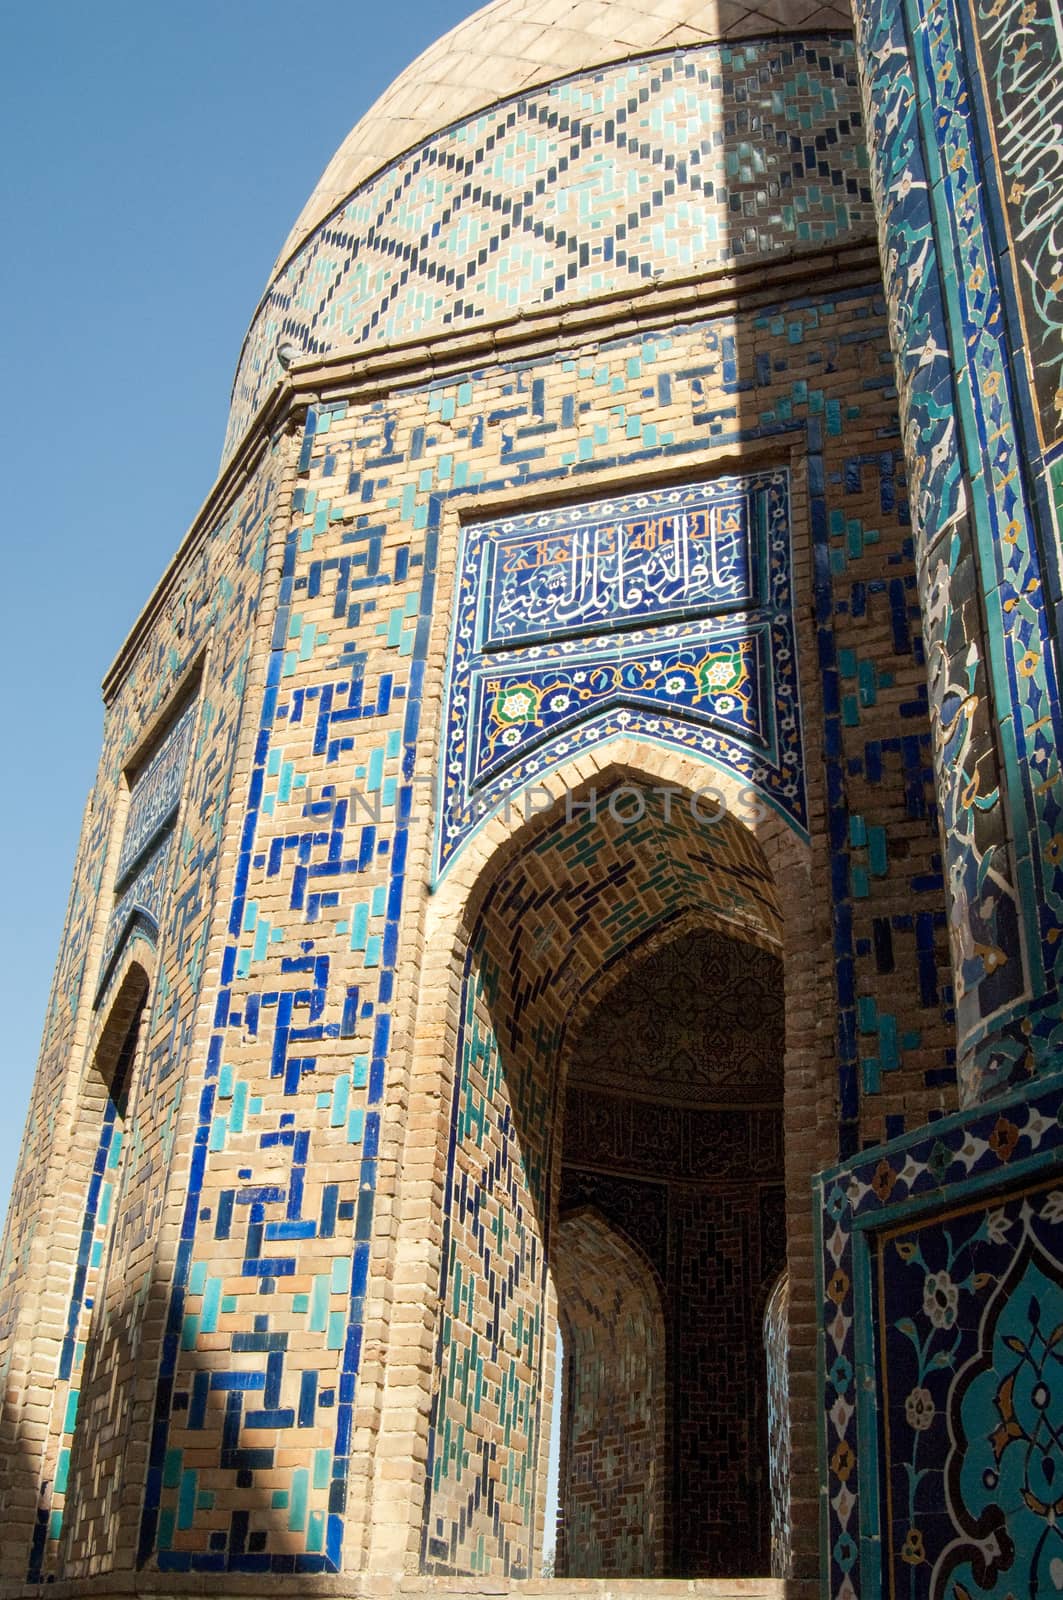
(581, 569)
(1019, 48)
(664, 615)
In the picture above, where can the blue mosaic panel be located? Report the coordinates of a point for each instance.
(1020, 53)
(258, 1204)
(126, 1157)
(144, 859)
(139, 905)
(92, 1245)
(493, 1258)
(940, 1275)
(586, 569)
(948, 187)
(155, 793)
(564, 621)
(272, 1273)
(678, 164)
(715, 676)
(969, 1321)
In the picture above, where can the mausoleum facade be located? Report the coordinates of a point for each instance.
(561, 979)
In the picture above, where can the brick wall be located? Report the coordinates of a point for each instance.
(313, 1121)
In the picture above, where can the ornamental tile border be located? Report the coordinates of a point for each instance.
(679, 161)
(960, 1157)
(1009, 955)
(722, 681)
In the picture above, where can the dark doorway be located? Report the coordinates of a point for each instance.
(673, 1139)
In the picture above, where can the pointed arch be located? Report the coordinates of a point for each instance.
(515, 942)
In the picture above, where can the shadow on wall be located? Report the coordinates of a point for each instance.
(801, 379)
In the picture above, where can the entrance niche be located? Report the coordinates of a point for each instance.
(673, 1135)
(614, 1160)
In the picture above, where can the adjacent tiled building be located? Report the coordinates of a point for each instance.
(573, 893)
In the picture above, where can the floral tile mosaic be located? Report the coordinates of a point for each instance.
(941, 1284)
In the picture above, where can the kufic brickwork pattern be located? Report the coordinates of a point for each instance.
(353, 637)
(213, 1319)
(311, 662)
(214, 596)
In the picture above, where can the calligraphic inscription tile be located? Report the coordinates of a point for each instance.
(155, 792)
(1019, 651)
(581, 570)
(1019, 56)
(665, 614)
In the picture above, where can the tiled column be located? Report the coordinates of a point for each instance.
(981, 475)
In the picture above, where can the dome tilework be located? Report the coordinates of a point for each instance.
(511, 45)
(690, 160)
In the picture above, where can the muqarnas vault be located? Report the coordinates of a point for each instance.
(570, 909)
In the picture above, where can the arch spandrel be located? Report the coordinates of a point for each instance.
(616, 762)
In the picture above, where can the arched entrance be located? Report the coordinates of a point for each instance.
(618, 888)
(672, 1131)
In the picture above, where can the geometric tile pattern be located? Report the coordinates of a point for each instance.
(889, 924)
(284, 1113)
(484, 1443)
(941, 1287)
(708, 1014)
(575, 189)
(255, 1201)
(95, 1236)
(614, 1454)
(681, 163)
(346, 697)
(699, 1194)
(140, 876)
(563, 616)
(376, 484)
(510, 46)
(131, 1154)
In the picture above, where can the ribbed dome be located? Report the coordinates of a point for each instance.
(512, 45)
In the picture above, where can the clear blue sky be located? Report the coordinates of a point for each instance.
(155, 155)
